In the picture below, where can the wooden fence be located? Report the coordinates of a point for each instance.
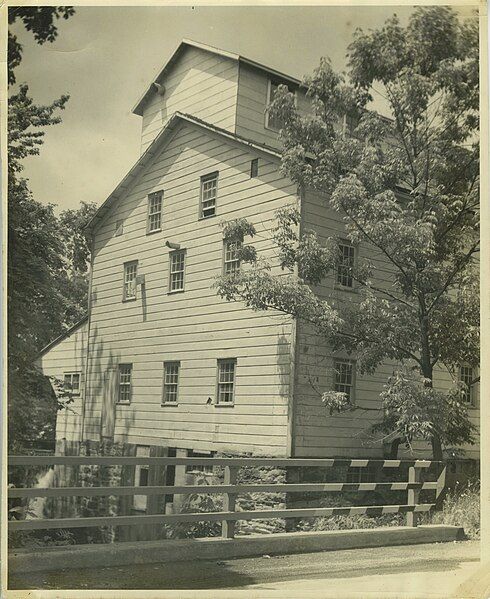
(229, 489)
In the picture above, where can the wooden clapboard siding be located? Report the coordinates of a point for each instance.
(68, 355)
(316, 432)
(443, 379)
(194, 327)
(252, 103)
(200, 83)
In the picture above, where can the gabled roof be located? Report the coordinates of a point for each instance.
(64, 335)
(138, 108)
(165, 134)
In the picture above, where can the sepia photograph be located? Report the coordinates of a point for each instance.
(242, 255)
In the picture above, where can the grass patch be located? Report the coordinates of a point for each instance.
(461, 508)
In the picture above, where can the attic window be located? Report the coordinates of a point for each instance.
(271, 122)
(154, 212)
(209, 193)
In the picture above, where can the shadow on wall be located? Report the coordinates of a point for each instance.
(284, 364)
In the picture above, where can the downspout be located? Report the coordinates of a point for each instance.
(89, 319)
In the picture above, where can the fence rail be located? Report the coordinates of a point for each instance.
(229, 489)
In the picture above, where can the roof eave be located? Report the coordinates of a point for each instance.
(60, 338)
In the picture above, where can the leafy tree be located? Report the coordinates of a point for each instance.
(405, 186)
(46, 282)
(39, 20)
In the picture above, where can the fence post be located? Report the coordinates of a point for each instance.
(441, 488)
(228, 526)
(413, 494)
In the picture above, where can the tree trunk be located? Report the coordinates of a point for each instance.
(427, 372)
(395, 444)
(436, 448)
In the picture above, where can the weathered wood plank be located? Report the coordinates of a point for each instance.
(215, 516)
(241, 462)
(216, 489)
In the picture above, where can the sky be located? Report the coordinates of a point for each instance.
(105, 58)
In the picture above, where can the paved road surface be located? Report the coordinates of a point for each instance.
(432, 570)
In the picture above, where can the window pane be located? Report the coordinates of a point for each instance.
(124, 394)
(130, 271)
(226, 381)
(209, 189)
(155, 211)
(170, 382)
(345, 265)
(273, 122)
(177, 266)
(344, 378)
(75, 384)
(466, 377)
(231, 261)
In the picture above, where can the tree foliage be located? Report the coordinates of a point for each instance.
(41, 21)
(407, 187)
(47, 258)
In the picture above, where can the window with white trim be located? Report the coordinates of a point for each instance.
(71, 382)
(124, 383)
(344, 378)
(170, 382)
(154, 211)
(226, 381)
(231, 260)
(209, 194)
(141, 477)
(130, 273)
(345, 266)
(177, 268)
(466, 377)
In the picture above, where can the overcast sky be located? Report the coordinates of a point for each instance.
(105, 58)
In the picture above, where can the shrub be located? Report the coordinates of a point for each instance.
(461, 507)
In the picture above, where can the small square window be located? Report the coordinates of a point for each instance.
(209, 193)
(170, 382)
(130, 273)
(346, 264)
(254, 168)
(226, 381)
(124, 383)
(231, 259)
(119, 228)
(466, 377)
(177, 269)
(344, 378)
(154, 211)
(71, 383)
